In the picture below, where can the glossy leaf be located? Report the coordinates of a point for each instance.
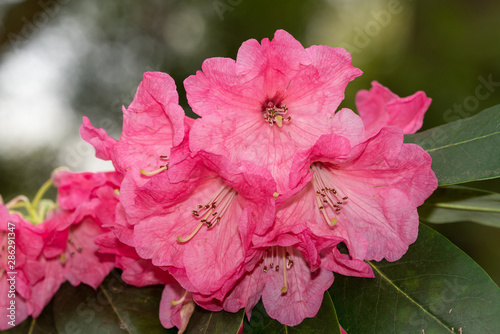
(465, 150)
(434, 288)
(456, 203)
(324, 322)
(114, 308)
(206, 322)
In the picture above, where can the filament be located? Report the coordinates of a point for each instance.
(179, 301)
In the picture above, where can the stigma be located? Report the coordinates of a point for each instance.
(274, 114)
(212, 212)
(159, 170)
(326, 195)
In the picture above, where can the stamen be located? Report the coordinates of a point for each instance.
(284, 289)
(177, 302)
(158, 171)
(206, 213)
(274, 114)
(329, 195)
(180, 239)
(329, 221)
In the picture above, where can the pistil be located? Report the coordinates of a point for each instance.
(274, 114)
(159, 170)
(181, 300)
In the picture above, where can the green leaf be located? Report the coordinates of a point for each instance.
(44, 324)
(114, 308)
(433, 288)
(456, 203)
(203, 321)
(324, 322)
(465, 150)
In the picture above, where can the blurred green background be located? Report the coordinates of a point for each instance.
(62, 59)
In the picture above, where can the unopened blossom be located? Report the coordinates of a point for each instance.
(275, 99)
(379, 107)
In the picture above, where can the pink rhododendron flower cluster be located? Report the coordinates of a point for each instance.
(56, 246)
(255, 199)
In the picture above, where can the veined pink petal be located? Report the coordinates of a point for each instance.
(303, 297)
(192, 225)
(176, 315)
(98, 138)
(365, 196)
(152, 125)
(379, 107)
(290, 291)
(275, 99)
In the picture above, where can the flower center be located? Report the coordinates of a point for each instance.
(211, 213)
(274, 257)
(326, 194)
(274, 114)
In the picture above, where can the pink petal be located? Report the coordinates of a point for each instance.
(379, 107)
(175, 315)
(304, 294)
(83, 262)
(98, 138)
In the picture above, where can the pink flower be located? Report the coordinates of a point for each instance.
(192, 225)
(86, 199)
(364, 195)
(58, 245)
(290, 291)
(379, 107)
(25, 248)
(275, 99)
(176, 305)
(153, 124)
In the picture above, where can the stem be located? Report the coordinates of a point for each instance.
(41, 192)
